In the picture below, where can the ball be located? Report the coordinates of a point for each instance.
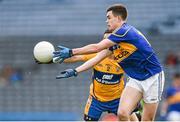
(43, 51)
(109, 117)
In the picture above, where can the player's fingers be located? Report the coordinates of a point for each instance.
(63, 72)
(61, 60)
(56, 52)
(61, 47)
(58, 60)
(56, 55)
(60, 76)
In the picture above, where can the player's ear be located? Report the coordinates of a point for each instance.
(119, 18)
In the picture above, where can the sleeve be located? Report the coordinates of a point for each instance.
(89, 56)
(120, 35)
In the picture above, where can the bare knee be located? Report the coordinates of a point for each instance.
(148, 117)
(123, 115)
(149, 111)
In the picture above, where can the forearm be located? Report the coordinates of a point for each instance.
(91, 48)
(90, 63)
(87, 65)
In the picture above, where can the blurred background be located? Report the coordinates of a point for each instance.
(29, 91)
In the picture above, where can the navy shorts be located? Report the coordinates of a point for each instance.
(94, 108)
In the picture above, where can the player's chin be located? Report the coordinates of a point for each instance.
(109, 28)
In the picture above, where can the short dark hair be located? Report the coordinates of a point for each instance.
(118, 10)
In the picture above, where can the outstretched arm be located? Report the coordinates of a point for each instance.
(87, 65)
(64, 52)
(93, 48)
(90, 63)
(79, 58)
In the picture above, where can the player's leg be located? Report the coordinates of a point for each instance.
(129, 100)
(113, 108)
(133, 117)
(92, 112)
(153, 88)
(138, 110)
(149, 111)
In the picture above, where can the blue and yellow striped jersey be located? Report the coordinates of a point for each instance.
(134, 53)
(173, 99)
(107, 77)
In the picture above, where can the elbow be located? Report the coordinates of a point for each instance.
(97, 48)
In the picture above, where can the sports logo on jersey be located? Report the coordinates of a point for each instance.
(123, 53)
(108, 77)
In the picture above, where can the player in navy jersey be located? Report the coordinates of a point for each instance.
(134, 54)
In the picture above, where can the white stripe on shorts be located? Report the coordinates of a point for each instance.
(160, 85)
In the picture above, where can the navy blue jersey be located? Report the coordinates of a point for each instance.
(134, 53)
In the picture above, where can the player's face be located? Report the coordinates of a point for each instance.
(112, 21)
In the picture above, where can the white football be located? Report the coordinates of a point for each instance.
(43, 51)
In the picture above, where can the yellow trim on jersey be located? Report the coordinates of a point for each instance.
(121, 35)
(124, 51)
(174, 99)
(88, 104)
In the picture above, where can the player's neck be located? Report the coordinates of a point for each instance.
(121, 24)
